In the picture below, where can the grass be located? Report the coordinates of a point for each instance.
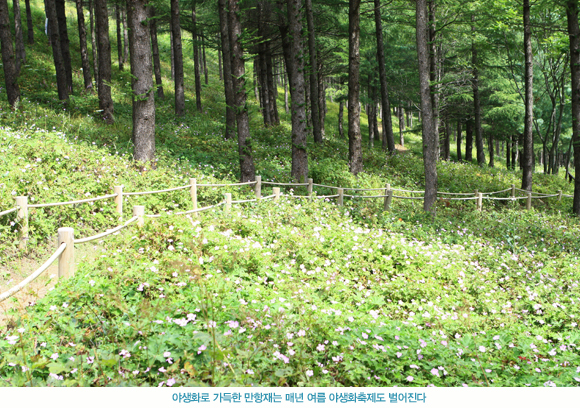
(292, 293)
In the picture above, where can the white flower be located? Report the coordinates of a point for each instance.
(482, 349)
(309, 373)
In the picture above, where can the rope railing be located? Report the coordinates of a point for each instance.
(505, 198)
(247, 183)
(364, 196)
(409, 198)
(196, 210)
(286, 184)
(459, 194)
(88, 200)
(498, 192)
(323, 185)
(8, 211)
(167, 190)
(104, 234)
(34, 275)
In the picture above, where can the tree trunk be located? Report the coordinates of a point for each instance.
(340, 115)
(273, 89)
(430, 142)
(64, 43)
(476, 102)
(447, 141)
(528, 147)
(508, 155)
(177, 59)
(105, 99)
(205, 73)
(219, 53)
(286, 107)
(314, 92)
(322, 100)
(227, 67)
(155, 48)
(490, 147)
(354, 136)
(434, 67)
(172, 51)
(94, 41)
(459, 156)
(8, 63)
(125, 36)
(388, 137)
(294, 57)
(196, 59)
(142, 81)
(20, 57)
(469, 140)
(83, 46)
(574, 34)
(261, 68)
(29, 22)
(119, 38)
(61, 82)
(247, 169)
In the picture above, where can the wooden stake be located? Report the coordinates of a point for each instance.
(388, 198)
(258, 187)
(193, 193)
(529, 202)
(119, 200)
(310, 182)
(139, 212)
(341, 196)
(66, 262)
(276, 191)
(513, 190)
(479, 201)
(228, 202)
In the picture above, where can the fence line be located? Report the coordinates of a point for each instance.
(8, 211)
(158, 191)
(104, 234)
(88, 200)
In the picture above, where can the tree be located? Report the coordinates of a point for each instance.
(94, 41)
(528, 147)
(29, 22)
(119, 37)
(19, 36)
(104, 56)
(574, 34)
(247, 169)
(354, 135)
(61, 82)
(196, 59)
(64, 43)
(10, 74)
(177, 59)
(430, 142)
(155, 48)
(388, 137)
(314, 100)
(230, 131)
(83, 46)
(142, 82)
(476, 102)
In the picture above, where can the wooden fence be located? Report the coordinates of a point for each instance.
(66, 240)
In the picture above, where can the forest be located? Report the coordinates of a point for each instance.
(401, 203)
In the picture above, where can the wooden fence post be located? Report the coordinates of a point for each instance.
(193, 193)
(310, 182)
(341, 196)
(228, 202)
(276, 191)
(388, 198)
(258, 187)
(139, 212)
(66, 262)
(513, 190)
(559, 195)
(479, 201)
(529, 202)
(119, 200)
(22, 218)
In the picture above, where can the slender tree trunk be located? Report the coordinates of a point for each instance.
(446, 142)
(434, 66)
(574, 34)
(528, 147)
(88, 82)
(94, 47)
(322, 99)
(177, 59)
(459, 156)
(64, 43)
(219, 53)
(61, 82)
(340, 116)
(196, 59)
(205, 73)
(469, 140)
(354, 136)
(227, 66)
(388, 137)
(260, 66)
(314, 92)
(430, 142)
(8, 63)
(172, 51)
(119, 38)
(490, 147)
(247, 169)
(20, 57)
(508, 156)
(142, 81)
(125, 36)
(155, 48)
(476, 102)
(272, 88)
(105, 99)
(286, 80)
(29, 22)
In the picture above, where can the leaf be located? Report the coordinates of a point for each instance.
(56, 368)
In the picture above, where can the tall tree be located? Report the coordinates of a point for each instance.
(528, 147)
(196, 59)
(177, 59)
(314, 100)
(83, 46)
(104, 53)
(10, 74)
(574, 34)
(354, 135)
(155, 48)
(388, 137)
(18, 36)
(64, 43)
(476, 101)
(142, 81)
(94, 41)
(29, 22)
(61, 82)
(430, 142)
(119, 37)
(247, 169)
(230, 131)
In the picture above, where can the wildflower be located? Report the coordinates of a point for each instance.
(65, 305)
(12, 339)
(167, 354)
(54, 356)
(482, 349)
(410, 378)
(309, 373)
(399, 355)
(444, 343)
(21, 330)
(92, 282)
(162, 370)
(90, 360)
(538, 370)
(549, 384)
(435, 371)
(201, 348)
(414, 366)
(320, 347)
(170, 382)
(301, 333)
(335, 343)
(248, 371)
(136, 372)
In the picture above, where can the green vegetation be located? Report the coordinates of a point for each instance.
(296, 292)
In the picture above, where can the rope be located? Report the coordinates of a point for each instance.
(34, 275)
(8, 211)
(408, 191)
(445, 193)
(186, 212)
(327, 196)
(104, 234)
(285, 184)
(88, 200)
(361, 196)
(497, 192)
(409, 198)
(226, 185)
(244, 201)
(546, 196)
(156, 191)
(567, 195)
(365, 189)
(272, 196)
(458, 198)
(505, 198)
(325, 186)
